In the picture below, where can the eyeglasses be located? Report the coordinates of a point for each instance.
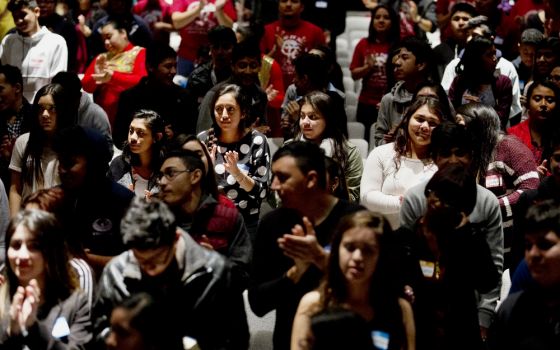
(170, 173)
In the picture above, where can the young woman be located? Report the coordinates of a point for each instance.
(41, 305)
(118, 69)
(477, 80)
(317, 123)
(393, 168)
(542, 104)
(242, 162)
(34, 165)
(359, 279)
(504, 165)
(137, 166)
(370, 60)
(147, 325)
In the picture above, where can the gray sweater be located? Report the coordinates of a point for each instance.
(391, 110)
(487, 213)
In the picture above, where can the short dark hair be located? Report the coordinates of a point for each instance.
(70, 82)
(308, 156)
(246, 48)
(448, 135)
(463, 7)
(148, 224)
(157, 53)
(221, 34)
(191, 160)
(455, 186)
(12, 74)
(420, 48)
(243, 99)
(314, 67)
(542, 217)
(16, 5)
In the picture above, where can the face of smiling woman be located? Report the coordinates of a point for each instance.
(25, 257)
(311, 123)
(420, 128)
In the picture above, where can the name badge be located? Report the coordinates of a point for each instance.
(380, 340)
(61, 328)
(321, 4)
(493, 181)
(428, 268)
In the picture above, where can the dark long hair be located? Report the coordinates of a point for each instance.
(323, 104)
(242, 99)
(60, 277)
(393, 36)
(469, 68)
(402, 138)
(155, 123)
(483, 124)
(38, 139)
(384, 288)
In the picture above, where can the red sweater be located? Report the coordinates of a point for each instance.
(107, 95)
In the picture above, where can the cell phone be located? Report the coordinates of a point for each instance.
(2, 268)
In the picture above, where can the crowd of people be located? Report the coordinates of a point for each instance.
(142, 206)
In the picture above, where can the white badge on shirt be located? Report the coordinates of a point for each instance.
(61, 328)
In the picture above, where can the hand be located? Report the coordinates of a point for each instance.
(205, 242)
(292, 109)
(483, 333)
(264, 129)
(542, 169)
(220, 4)
(231, 158)
(522, 99)
(389, 137)
(413, 11)
(202, 4)
(303, 245)
(370, 61)
(471, 98)
(409, 294)
(25, 304)
(279, 35)
(271, 93)
(6, 147)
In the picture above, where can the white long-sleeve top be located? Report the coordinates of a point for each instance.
(383, 184)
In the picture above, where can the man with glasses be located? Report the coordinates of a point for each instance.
(193, 283)
(211, 219)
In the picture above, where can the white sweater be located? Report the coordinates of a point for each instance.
(382, 184)
(39, 58)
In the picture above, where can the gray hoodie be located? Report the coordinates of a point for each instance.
(391, 111)
(92, 116)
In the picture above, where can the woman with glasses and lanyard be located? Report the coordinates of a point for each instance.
(242, 163)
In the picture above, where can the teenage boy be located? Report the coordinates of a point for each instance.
(411, 66)
(37, 52)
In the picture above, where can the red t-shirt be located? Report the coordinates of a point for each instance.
(302, 38)
(194, 35)
(374, 86)
(522, 132)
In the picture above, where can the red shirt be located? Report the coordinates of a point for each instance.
(194, 35)
(374, 86)
(302, 38)
(107, 95)
(523, 132)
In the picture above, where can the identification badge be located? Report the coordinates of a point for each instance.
(428, 268)
(493, 181)
(380, 340)
(61, 328)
